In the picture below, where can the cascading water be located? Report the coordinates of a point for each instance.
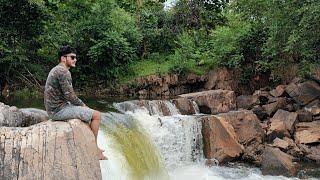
(141, 143)
(131, 153)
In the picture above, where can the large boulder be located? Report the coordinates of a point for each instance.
(213, 101)
(14, 117)
(312, 152)
(247, 101)
(33, 147)
(220, 140)
(305, 92)
(49, 150)
(288, 118)
(246, 125)
(282, 124)
(308, 132)
(249, 132)
(279, 103)
(276, 162)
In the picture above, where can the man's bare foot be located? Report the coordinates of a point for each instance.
(101, 156)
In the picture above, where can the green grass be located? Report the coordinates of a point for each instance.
(160, 66)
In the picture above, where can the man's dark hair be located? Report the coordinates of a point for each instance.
(66, 50)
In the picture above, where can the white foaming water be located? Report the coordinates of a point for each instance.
(172, 108)
(178, 140)
(195, 107)
(201, 172)
(153, 108)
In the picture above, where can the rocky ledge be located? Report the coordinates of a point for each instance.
(275, 129)
(33, 147)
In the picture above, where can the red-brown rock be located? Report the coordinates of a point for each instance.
(279, 143)
(278, 91)
(305, 92)
(247, 101)
(276, 162)
(289, 118)
(246, 125)
(273, 107)
(308, 132)
(277, 128)
(293, 149)
(213, 101)
(253, 153)
(220, 141)
(313, 153)
(315, 111)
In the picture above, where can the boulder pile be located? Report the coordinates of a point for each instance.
(272, 128)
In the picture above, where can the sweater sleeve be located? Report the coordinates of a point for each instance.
(65, 82)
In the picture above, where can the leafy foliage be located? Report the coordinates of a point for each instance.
(20, 26)
(113, 37)
(226, 42)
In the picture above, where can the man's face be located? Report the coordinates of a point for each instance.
(70, 60)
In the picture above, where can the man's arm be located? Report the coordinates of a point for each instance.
(65, 82)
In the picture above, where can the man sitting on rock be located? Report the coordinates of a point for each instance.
(60, 100)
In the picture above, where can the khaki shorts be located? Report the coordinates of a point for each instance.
(74, 112)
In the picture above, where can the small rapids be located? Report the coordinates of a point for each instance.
(152, 140)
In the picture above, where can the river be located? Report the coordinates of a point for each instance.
(141, 143)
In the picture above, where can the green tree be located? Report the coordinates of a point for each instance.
(21, 23)
(291, 28)
(106, 37)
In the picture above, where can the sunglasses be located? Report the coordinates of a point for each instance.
(72, 57)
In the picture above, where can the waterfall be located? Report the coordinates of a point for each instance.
(177, 138)
(152, 140)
